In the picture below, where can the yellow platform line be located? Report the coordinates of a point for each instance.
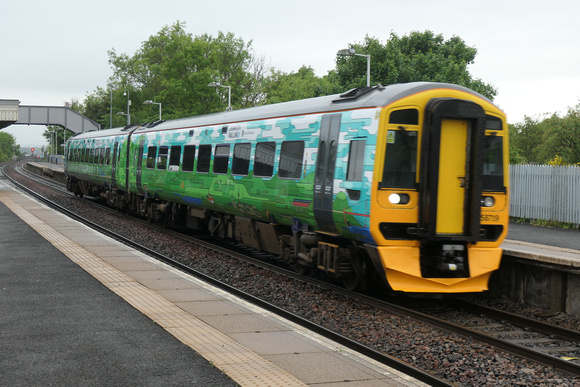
(238, 362)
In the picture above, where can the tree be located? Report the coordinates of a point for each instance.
(281, 87)
(55, 136)
(420, 56)
(526, 140)
(562, 137)
(174, 68)
(8, 147)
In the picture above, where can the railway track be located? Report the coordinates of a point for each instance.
(467, 326)
(535, 340)
(376, 355)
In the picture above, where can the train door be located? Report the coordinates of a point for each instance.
(324, 176)
(451, 190)
(451, 165)
(139, 166)
(114, 164)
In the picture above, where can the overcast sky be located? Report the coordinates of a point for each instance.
(55, 50)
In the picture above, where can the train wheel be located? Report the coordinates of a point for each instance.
(302, 269)
(358, 280)
(352, 283)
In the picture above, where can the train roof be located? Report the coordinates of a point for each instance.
(367, 97)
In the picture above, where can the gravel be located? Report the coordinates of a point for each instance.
(454, 358)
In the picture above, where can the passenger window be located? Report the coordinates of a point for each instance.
(108, 156)
(241, 160)
(356, 160)
(204, 158)
(151, 153)
(291, 156)
(174, 158)
(400, 166)
(162, 159)
(264, 159)
(188, 158)
(221, 158)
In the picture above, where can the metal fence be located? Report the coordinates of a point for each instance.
(545, 192)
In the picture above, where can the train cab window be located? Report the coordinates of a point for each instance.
(162, 158)
(405, 117)
(241, 160)
(204, 158)
(400, 166)
(221, 158)
(188, 158)
(174, 158)
(492, 177)
(291, 158)
(151, 153)
(356, 160)
(264, 159)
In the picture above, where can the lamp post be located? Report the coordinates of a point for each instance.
(149, 102)
(122, 114)
(111, 106)
(126, 94)
(217, 84)
(352, 52)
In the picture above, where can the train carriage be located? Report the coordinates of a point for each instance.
(407, 182)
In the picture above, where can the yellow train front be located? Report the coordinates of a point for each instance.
(439, 205)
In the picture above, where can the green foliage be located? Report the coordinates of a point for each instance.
(420, 56)
(281, 87)
(8, 147)
(526, 140)
(562, 137)
(174, 68)
(55, 136)
(553, 140)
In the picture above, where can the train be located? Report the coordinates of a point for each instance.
(405, 185)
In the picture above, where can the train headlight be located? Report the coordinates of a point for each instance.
(399, 198)
(487, 201)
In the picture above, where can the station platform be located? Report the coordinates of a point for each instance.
(79, 308)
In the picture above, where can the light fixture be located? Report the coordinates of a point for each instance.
(217, 84)
(126, 94)
(352, 52)
(149, 102)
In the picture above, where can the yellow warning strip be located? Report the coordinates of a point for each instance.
(238, 362)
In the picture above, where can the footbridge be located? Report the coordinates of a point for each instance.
(11, 113)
